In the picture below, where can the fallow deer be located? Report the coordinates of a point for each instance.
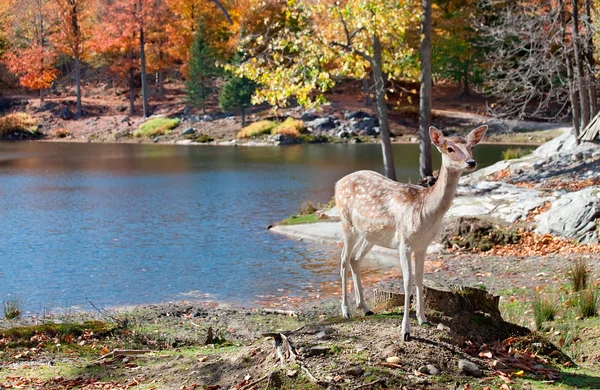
(375, 210)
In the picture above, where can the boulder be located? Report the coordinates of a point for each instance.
(322, 124)
(207, 118)
(469, 368)
(308, 116)
(65, 113)
(188, 131)
(355, 115)
(573, 215)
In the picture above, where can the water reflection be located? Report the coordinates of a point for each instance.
(126, 224)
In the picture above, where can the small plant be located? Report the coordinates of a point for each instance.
(12, 308)
(543, 310)
(18, 121)
(257, 128)
(587, 304)
(512, 153)
(290, 127)
(204, 138)
(156, 126)
(62, 133)
(578, 275)
(307, 208)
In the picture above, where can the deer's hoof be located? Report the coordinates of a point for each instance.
(347, 316)
(406, 337)
(369, 313)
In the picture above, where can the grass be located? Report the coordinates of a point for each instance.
(578, 275)
(544, 310)
(18, 121)
(290, 127)
(513, 153)
(298, 220)
(257, 128)
(587, 304)
(156, 126)
(12, 308)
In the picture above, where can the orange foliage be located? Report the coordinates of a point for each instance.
(33, 65)
(540, 245)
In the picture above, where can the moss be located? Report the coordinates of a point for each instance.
(156, 126)
(204, 138)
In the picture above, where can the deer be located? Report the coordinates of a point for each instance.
(375, 210)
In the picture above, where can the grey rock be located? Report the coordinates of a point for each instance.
(122, 108)
(207, 118)
(389, 351)
(156, 139)
(308, 116)
(318, 350)
(194, 118)
(469, 368)
(65, 113)
(322, 335)
(355, 115)
(342, 133)
(47, 106)
(322, 124)
(429, 369)
(355, 371)
(188, 131)
(573, 215)
(373, 131)
(187, 110)
(125, 119)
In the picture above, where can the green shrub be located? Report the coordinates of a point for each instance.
(587, 304)
(578, 275)
(543, 310)
(204, 138)
(290, 127)
(512, 153)
(12, 308)
(257, 128)
(18, 121)
(156, 126)
(313, 139)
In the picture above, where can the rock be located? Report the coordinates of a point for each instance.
(355, 371)
(389, 351)
(318, 350)
(125, 119)
(156, 139)
(573, 215)
(429, 369)
(308, 116)
(282, 139)
(188, 131)
(291, 373)
(373, 131)
(469, 368)
(66, 113)
(322, 124)
(444, 328)
(47, 106)
(187, 110)
(322, 335)
(343, 133)
(122, 108)
(207, 118)
(393, 359)
(355, 115)
(498, 365)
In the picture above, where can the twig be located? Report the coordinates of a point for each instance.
(124, 352)
(393, 365)
(102, 311)
(310, 376)
(256, 382)
(367, 385)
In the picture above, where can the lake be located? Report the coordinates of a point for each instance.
(123, 224)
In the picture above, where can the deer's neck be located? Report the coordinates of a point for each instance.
(440, 198)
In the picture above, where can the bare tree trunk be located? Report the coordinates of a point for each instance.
(569, 65)
(581, 79)
(78, 109)
(366, 91)
(590, 61)
(243, 117)
(41, 95)
(161, 84)
(131, 93)
(382, 114)
(145, 111)
(425, 93)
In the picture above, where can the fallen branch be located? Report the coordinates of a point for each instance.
(310, 376)
(393, 365)
(124, 352)
(367, 385)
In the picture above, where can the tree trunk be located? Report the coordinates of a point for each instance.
(425, 94)
(590, 61)
(581, 79)
(161, 84)
(145, 111)
(243, 117)
(78, 109)
(131, 93)
(382, 114)
(41, 95)
(366, 91)
(569, 65)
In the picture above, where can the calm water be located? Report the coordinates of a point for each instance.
(129, 224)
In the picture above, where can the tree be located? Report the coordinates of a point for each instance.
(72, 36)
(202, 71)
(31, 56)
(314, 43)
(425, 94)
(236, 94)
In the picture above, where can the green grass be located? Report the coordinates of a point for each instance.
(579, 275)
(156, 126)
(300, 219)
(544, 309)
(513, 153)
(587, 302)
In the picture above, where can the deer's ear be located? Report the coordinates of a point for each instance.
(477, 135)
(436, 137)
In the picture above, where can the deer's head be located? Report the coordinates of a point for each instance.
(457, 152)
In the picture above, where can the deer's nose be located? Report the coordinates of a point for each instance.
(471, 163)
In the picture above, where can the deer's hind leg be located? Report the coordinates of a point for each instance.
(350, 239)
(361, 248)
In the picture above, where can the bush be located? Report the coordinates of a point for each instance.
(256, 129)
(12, 308)
(587, 304)
(290, 127)
(307, 208)
(62, 133)
(578, 275)
(512, 153)
(543, 310)
(156, 126)
(204, 138)
(18, 121)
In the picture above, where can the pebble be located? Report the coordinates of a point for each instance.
(469, 368)
(292, 373)
(355, 371)
(393, 359)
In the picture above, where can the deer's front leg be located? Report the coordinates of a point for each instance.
(407, 279)
(419, 269)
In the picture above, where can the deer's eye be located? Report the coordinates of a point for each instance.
(450, 149)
